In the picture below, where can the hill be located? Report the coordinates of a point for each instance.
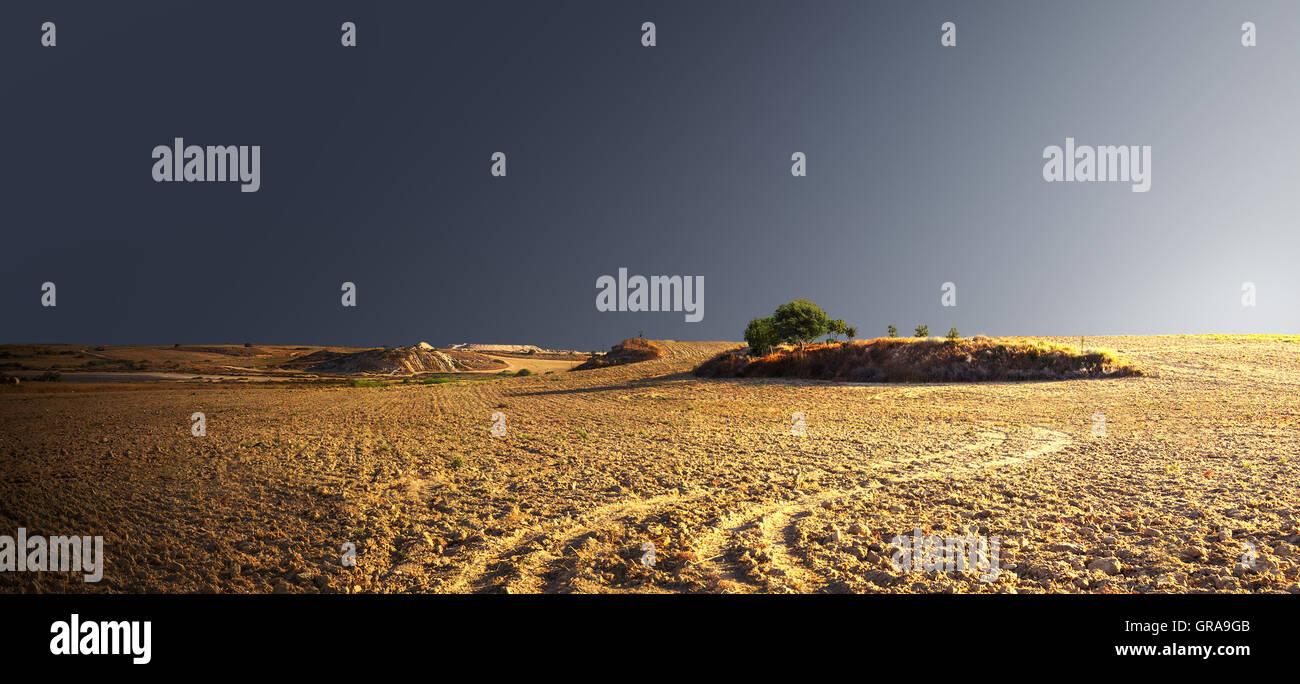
(420, 358)
(627, 351)
(979, 359)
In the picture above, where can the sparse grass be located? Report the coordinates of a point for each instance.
(1246, 338)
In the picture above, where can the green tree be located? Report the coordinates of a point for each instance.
(837, 328)
(952, 335)
(800, 321)
(760, 336)
(893, 332)
(922, 331)
(797, 322)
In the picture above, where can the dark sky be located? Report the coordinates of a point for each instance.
(924, 166)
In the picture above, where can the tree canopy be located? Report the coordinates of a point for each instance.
(797, 322)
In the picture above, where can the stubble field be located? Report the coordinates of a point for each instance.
(1190, 487)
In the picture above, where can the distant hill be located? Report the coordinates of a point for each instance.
(627, 351)
(420, 358)
(511, 349)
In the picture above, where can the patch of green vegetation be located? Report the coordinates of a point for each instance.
(358, 382)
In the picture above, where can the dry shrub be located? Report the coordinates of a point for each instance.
(922, 360)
